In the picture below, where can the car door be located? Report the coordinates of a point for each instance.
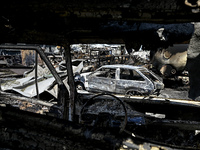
(130, 80)
(155, 82)
(102, 80)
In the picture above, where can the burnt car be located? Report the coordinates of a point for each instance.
(120, 79)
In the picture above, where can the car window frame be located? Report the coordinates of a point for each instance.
(95, 76)
(132, 79)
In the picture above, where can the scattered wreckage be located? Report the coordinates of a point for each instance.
(9, 58)
(116, 120)
(26, 85)
(121, 79)
(78, 66)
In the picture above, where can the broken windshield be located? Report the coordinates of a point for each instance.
(148, 74)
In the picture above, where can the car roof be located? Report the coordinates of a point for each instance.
(123, 66)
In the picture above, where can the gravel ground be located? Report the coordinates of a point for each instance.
(176, 94)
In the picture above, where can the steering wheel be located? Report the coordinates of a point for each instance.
(98, 111)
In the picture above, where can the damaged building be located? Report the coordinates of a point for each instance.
(124, 103)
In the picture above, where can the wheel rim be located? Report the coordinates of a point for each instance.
(79, 87)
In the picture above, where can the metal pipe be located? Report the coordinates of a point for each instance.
(70, 112)
(36, 76)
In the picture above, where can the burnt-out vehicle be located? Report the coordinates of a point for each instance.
(171, 64)
(120, 79)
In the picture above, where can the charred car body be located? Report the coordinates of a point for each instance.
(171, 63)
(121, 79)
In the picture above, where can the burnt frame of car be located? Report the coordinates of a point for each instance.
(63, 94)
(122, 79)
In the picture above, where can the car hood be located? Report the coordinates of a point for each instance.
(158, 85)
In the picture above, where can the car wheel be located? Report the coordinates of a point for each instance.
(133, 93)
(80, 86)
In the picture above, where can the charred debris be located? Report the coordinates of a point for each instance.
(40, 102)
(41, 105)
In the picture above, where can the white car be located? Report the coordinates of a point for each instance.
(121, 79)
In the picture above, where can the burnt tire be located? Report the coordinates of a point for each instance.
(79, 86)
(133, 93)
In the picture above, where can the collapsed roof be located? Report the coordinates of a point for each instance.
(88, 21)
